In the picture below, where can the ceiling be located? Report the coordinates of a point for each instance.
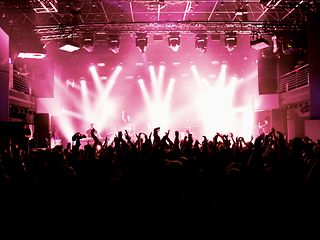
(53, 20)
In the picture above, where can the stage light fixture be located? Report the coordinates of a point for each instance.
(32, 55)
(69, 46)
(114, 43)
(38, 53)
(275, 45)
(32, 50)
(231, 41)
(259, 43)
(201, 42)
(174, 41)
(142, 41)
(88, 42)
(88, 45)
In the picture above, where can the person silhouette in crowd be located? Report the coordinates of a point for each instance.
(26, 138)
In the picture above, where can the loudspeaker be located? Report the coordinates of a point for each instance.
(267, 76)
(42, 130)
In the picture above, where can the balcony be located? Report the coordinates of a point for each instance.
(294, 87)
(295, 79)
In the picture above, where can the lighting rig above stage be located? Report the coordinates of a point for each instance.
(61, 19)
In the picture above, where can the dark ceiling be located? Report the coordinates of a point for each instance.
(60, 19)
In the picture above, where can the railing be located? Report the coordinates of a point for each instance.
(295, 79)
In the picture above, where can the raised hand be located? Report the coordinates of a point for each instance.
(127, 135)
(167, 133)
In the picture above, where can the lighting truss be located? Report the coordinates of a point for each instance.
(45, 6)
(53, 32)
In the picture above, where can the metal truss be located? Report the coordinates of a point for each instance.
(59, 19)
(57, 32)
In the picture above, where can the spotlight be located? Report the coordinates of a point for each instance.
(231, 41)
(69, 46)
(92, 68)
(71, 83)
(275, 44)
(114, 43)
(33, 55)
(34, 50)
(201, 42)
(142, 41)
(82, 81)
(88, 41)
(88, 44)
(174, 41)
(259, 43)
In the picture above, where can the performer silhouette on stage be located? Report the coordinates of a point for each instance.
(91, 131)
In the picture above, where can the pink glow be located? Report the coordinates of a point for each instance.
(71, 113)
(64, 123)
(86, 105)
(102, 105)
(66, 126)
(144, 91)
(96, 78)
(202, 94)
(158, 107)
(215, 105)
(161, 74)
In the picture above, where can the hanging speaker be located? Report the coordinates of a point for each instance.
(267, 76)
(43, 79)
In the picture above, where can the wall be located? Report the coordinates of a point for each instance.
(4, 76)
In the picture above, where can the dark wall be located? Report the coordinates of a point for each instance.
(314, 66)
(4, 51)
(42, 130)
(4, 76)
(12, 130)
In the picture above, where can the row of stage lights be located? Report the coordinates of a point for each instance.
(201, 41)
(141, 42)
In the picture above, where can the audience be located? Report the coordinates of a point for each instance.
(150, 177)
